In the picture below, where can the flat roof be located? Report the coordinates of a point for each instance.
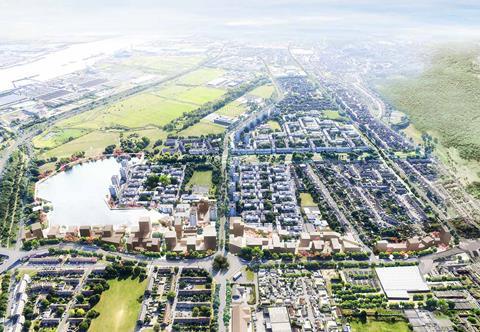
(398, 281)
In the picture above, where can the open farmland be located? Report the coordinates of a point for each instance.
(443, 101)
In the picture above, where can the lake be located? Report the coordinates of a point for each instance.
(78, 196)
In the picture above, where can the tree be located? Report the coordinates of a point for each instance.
(171, 296)
(152, 181)
(220, 263)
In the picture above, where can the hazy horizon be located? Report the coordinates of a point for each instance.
(271, 19)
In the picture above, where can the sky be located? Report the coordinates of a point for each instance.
(261, 19)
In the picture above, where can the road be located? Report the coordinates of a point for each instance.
(331, 202)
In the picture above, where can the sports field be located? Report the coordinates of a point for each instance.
(118, 306)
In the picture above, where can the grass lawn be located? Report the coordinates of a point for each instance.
(232, 109)
(57, 136)
(379, 326)
(274, 125)
(201, 178)
(204, 127)
(332, 115)
(264, 91)
(93, 144)
(200, 95)
(307, 199)
(201, 76)
(250, 275)
(118, 306)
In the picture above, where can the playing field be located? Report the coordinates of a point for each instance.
(264, 91)
(379, 326)
(118, 306)
(204, 127)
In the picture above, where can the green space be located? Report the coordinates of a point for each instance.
(204, 127)
(250, 275)
(201, 76)
(379, 326)
(264, 91)
(92, 144)
(306, 200)
(57, 136)
(332, 115)
(201, 179)
(119, 306)
(274, 125)
(200, 95)
(135, 112)
(233, 109)
(443, 102)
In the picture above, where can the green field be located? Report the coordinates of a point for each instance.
(118, 306)
(264, 91)
(57, 136)
(232, 109)
(135, 112)
(332, 115)
(204, 127)
(443, 101)
(201, 76)
(93, 144)
(307, 200)
(274, 125)
(379, 326)
(200, 95)
(201, 179)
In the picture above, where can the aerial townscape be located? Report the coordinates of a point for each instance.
(272, 182)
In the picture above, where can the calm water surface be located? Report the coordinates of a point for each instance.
(78, 196)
